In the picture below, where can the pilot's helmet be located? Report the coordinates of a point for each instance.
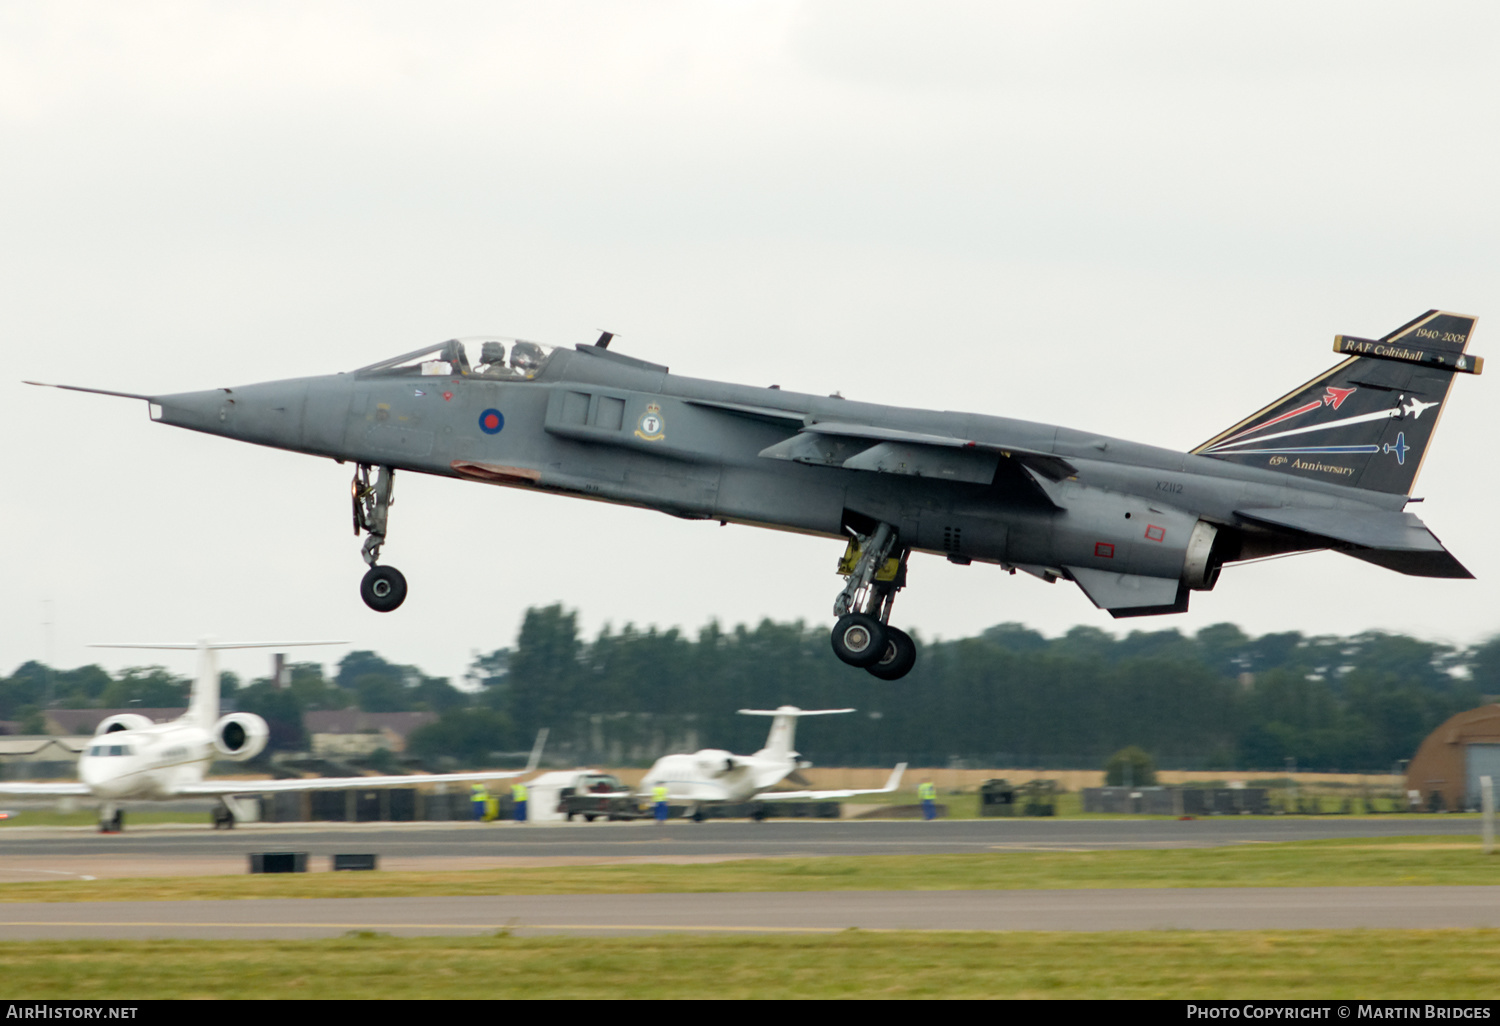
(526, 358)
(492, 353)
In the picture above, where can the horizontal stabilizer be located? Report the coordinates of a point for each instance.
(1373, 529)
(791, 710)
(1390, 538)
(1123, 595)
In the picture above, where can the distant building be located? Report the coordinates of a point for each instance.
(1451, 760)
(83, 722)
(30, 757)
(351, 732)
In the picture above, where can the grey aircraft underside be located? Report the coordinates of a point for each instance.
(1330, 465)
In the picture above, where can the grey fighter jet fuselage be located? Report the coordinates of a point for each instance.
(1328, 466)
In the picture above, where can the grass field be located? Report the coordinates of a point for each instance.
(1373, 862)
(1357, 964)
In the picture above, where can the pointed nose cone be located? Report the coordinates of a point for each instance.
(269, 413)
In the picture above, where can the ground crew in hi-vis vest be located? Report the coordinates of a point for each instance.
(478, 799)
(928, 793)
(659, 800)
(518, 798)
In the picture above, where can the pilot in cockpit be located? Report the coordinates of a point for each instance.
(492, 360)
(526, 359)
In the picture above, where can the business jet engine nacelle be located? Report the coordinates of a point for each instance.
(240, 736)
(123, 721)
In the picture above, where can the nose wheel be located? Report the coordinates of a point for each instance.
(383, 587)
(863, 636)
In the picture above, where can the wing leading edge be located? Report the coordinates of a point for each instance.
(231, 787)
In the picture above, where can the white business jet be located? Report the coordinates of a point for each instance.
(130, 758)
(714, 776)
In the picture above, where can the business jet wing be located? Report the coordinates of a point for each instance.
(222, 787)
(232, 787)
(52, 790)
(890, 785)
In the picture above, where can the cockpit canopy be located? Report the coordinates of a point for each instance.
(492, 357)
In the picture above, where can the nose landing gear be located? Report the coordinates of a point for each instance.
(383, 587)
(863, 635)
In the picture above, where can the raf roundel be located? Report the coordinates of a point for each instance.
(491, 421)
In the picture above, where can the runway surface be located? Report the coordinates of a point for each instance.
(40, 853)
(1291, 908)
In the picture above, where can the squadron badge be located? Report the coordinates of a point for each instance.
(650, 427)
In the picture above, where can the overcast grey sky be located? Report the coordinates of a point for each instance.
(1141, 219)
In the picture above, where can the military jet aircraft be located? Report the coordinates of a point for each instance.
(714, 776)
(1329, 465)
(131, 758)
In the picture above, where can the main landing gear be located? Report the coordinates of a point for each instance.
(383, 588)
(863, 635)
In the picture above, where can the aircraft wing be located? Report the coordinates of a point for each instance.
(222, 787)
(910, 453)
(890, 785)
(57, 790)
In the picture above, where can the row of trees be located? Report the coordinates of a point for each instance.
(1219, 699)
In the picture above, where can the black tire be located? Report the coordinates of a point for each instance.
(698, 816)
(587, 817)
(383, 588)
(858, 639)
(899, 657)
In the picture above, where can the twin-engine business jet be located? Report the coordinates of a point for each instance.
(132, 759)
(1329, 465)
(713, 775)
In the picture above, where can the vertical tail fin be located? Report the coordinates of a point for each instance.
(203, 703)
(1366, 422)
(783, 736)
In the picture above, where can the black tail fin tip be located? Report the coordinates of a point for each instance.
(1366, 422)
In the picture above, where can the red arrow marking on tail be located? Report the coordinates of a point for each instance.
(1335, 396)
